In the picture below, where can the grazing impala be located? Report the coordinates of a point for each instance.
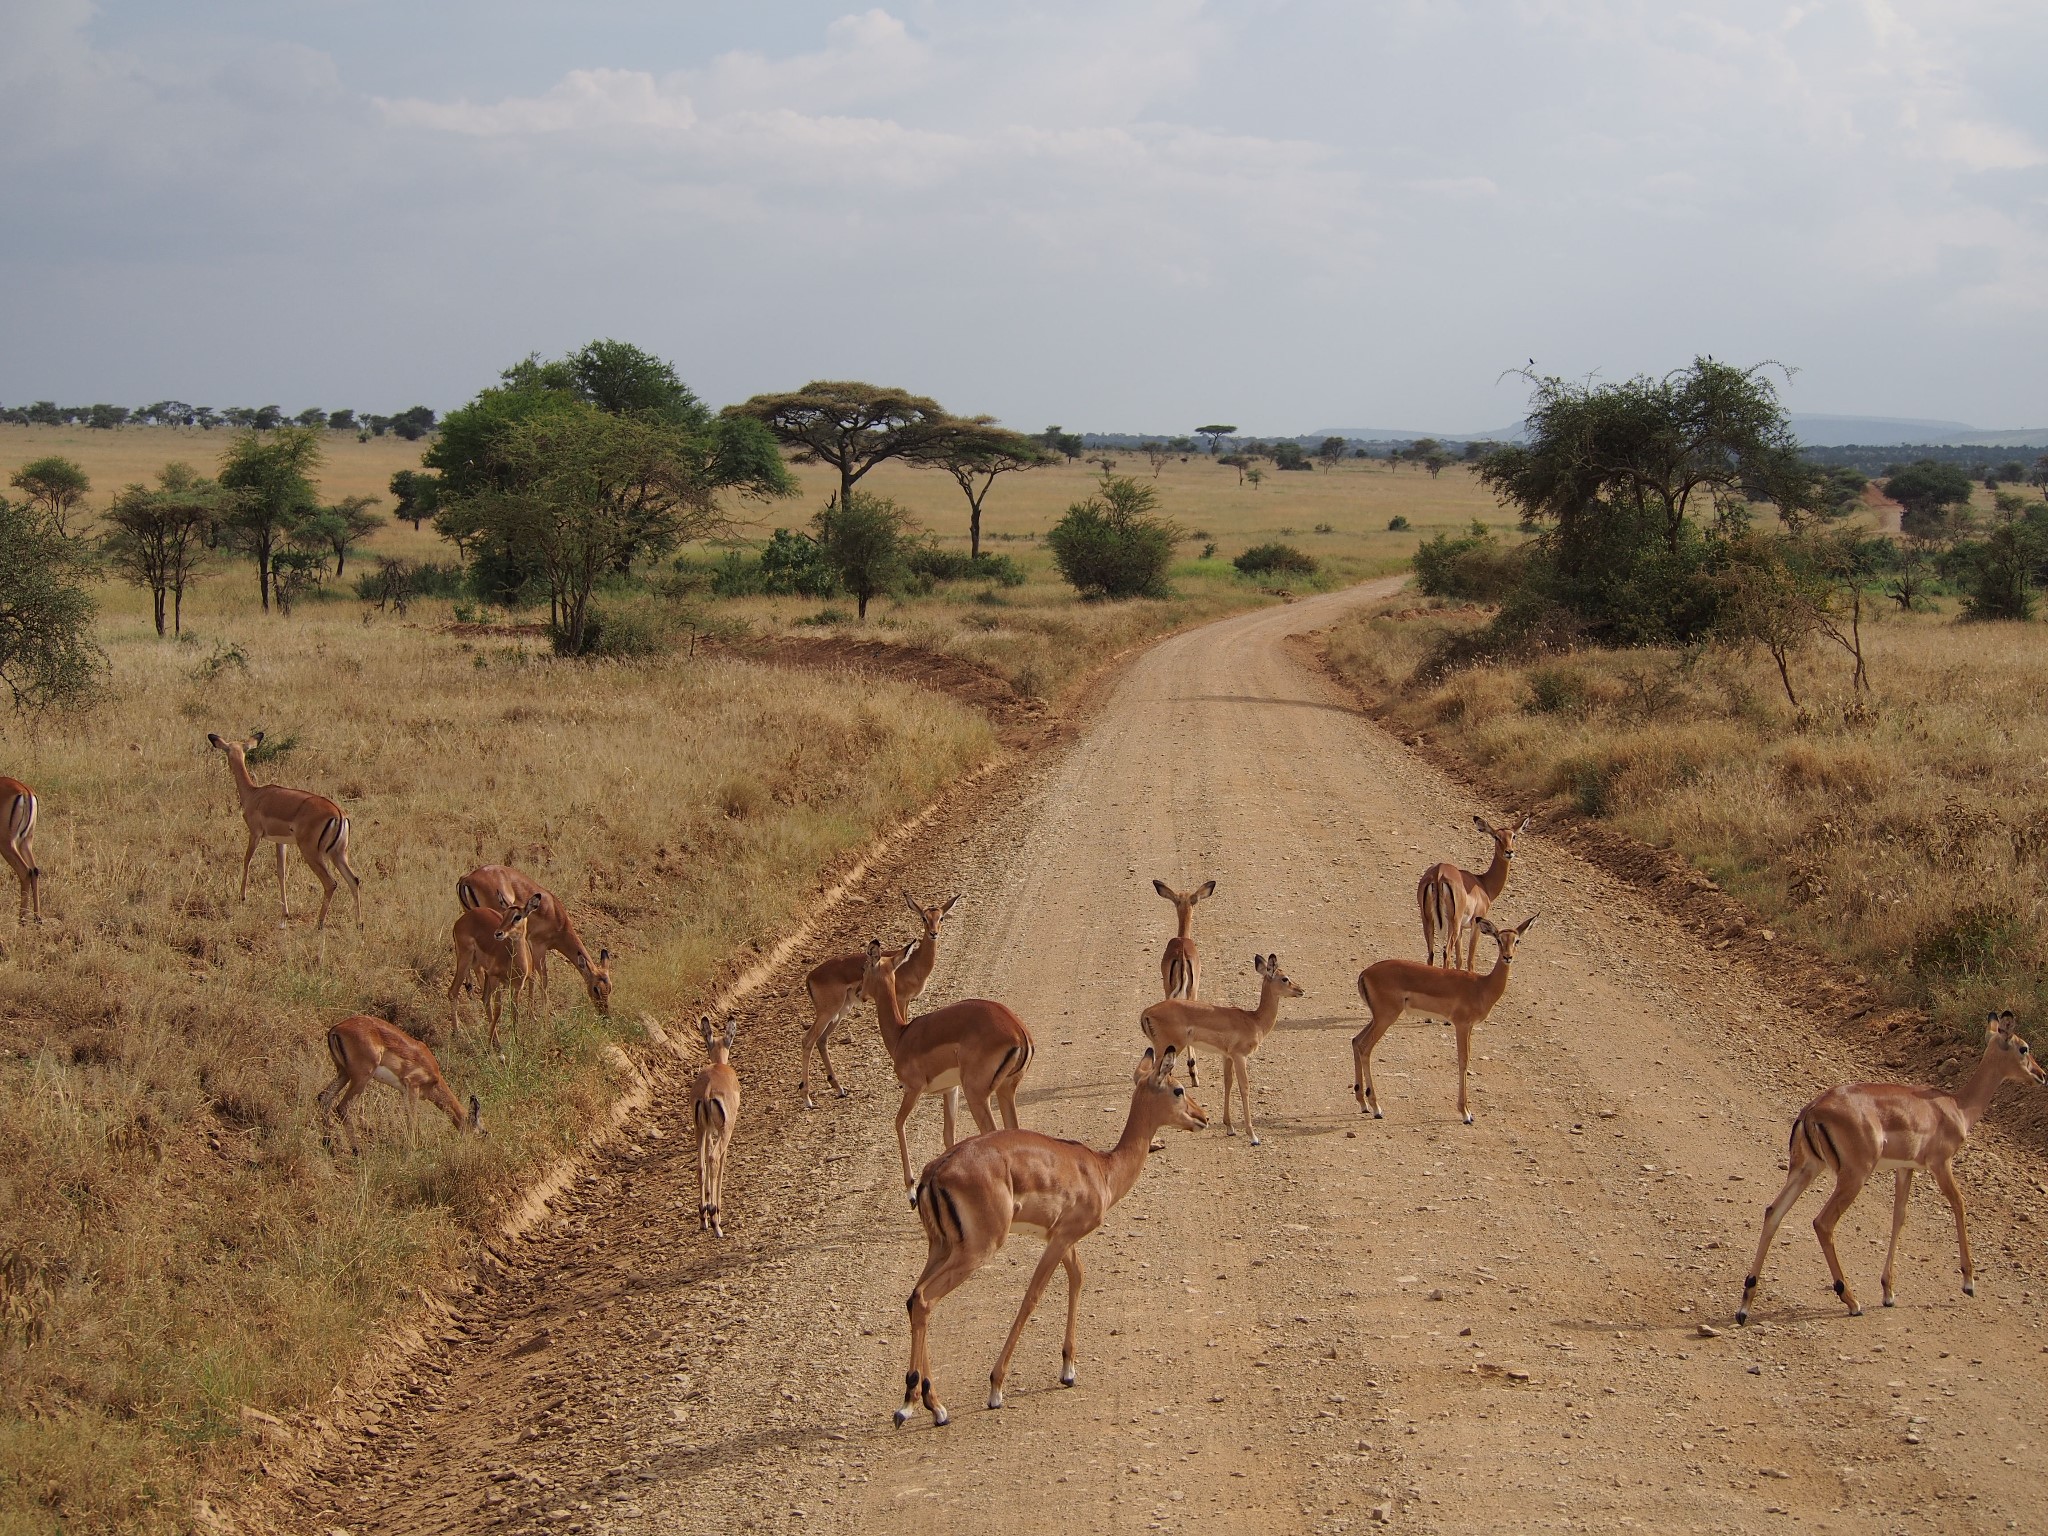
(1236, 1032)
(1453, 900)
(972, 1197)
(492, 945)
(975, 1045)
(835, 986)
(505, 888)
(1895, 1128)
(17, 827)
(1391, 987)
(714, 1110)
(277, 814)
(365, 1051)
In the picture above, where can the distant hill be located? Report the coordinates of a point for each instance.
(1403, 435)
(1815, 429)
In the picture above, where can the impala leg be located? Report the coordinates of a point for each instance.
(348, 873)
(455, 988)
(22, 862)
(1902, 1187)
(412, 1119)
(951, 1102)
(1244, 1089)
(1464, 1062)
(1848, 1185)
(1229, 1076)
(978, 1105)
(1054, 1256)
(945, 1270)
(718, 1176)
(348, 1096)
(1803, 1173)
(315, 862)
(325, 1099)
(1362, 1045)
(703, 1170)
(1006, 1098)
(910, 1098)
(1945, 1177)
(1073, 1263)
(814, 1040)
(282, 905)
(494, 1005)
(248, 853)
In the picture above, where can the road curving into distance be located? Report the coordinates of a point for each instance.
(1406, 1321)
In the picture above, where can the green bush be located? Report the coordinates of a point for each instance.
(790, 564)
(1115, 544)
(1473, 566)
(1973, 942)
(1397, 524)
(935, 564)
(1276, 559)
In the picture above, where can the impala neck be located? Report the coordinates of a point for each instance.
(889, 1014)
(1267, 1014)
(1975, 1096)
(1126, 1160)
(1185, 916)
(1495, 880)
(1496, 980)
(238, 767)
(919, 966)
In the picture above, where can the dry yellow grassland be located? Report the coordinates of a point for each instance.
(1908, 839)
(177, 1243)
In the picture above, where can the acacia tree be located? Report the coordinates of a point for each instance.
(853, 426)
(1215, 432)
(55, 486)
(270, 493)
(157, 538)
(1330, 452)
(576, 491)
(416, 494)
(975, 455)
(47, 655)
(341, 527)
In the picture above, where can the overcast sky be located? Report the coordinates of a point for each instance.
(1111, 214)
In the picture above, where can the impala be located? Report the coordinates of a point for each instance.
(17, 827)
(714, 1109)
(1865, 1128)
(975, 1045)
(275, 813)
(835, 986)
(972, 1197)
(365, 1051)
(1236, 1032)
(1180, 967)
(505, 888)
(1391, 987)
(1453, 900)
(492, 945)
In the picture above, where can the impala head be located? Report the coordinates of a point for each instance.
(879, 969)
(236, 750)
(2014, 1054)
(1163, 1097)
(1505, 834)
(1507, 938)
(1184, 902)
(597, 980)
(931, 917)
(717, 1047)
(1268, 967)
(516, 919)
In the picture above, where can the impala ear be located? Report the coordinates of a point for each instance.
(874, 950)
(2007, 1023)
(1525, 823)
(257, 738)
(910, 903)
(1147, 1066)
(1486, 927)
(732, 1033)
(604, 956)
(1208, 888)
(1481, 823)
(947, 909)
(1166, 1063)
(1528, 923)
(1163, 889)
(704, 1029)
(213, 739)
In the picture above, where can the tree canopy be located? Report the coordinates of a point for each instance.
(1928, 493)
(975, 455)
(47, 654)
(156, 537)
(864, 539)
(269, 486)
(853, 426)
(55, 486)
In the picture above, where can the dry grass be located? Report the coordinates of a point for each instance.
(1908, 840)
(177, 1243)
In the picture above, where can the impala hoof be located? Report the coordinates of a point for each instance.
(1742, 1318)
(1856, 1309)
(1230, 1130)
(941, 1418)
(1255, 1138)
(1969, 1287)
(995, 1400)
(1468, 1117)
(1887, 1301)
(1067, 1377)
(844, 1093)
(902, 1416)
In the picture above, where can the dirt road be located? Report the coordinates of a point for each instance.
(1408, 1321)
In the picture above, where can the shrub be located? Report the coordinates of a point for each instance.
(866, 540)
(1397, 524)
(1276, 559)
(935, 564)
(624, 629)
(394, 583)
(1973, 942)
(1473, 566)
(1115, 544)
(795, 565)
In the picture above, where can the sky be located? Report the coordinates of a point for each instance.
(1115, 215)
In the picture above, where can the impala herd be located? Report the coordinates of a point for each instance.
(980, 1189)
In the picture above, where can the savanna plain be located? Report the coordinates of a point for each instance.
(1519, 1324)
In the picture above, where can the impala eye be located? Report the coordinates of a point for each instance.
(1178, 1092)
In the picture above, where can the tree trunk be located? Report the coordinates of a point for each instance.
(157, 595)
(263, 573)
(860, 599)
(974, 529)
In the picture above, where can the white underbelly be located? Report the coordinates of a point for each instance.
(1894, 1164)
(945, 1080)
(1031, 1227)
(386, 1075)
